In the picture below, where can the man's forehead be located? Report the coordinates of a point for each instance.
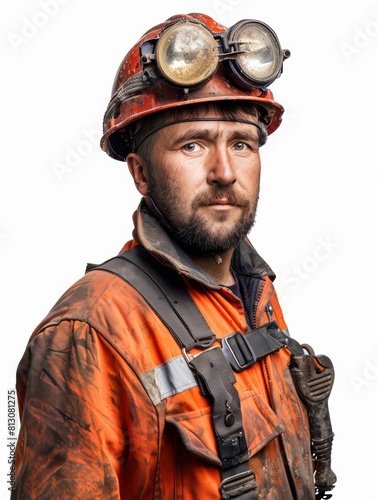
(212, 126)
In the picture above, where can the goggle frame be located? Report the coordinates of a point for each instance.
(224, 47)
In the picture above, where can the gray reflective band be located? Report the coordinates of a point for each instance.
(168, 379)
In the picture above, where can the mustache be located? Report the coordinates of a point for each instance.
(218, 192)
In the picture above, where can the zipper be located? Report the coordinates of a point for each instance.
(269, 310)
(258, 296)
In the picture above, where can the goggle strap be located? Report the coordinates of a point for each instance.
(184, 120)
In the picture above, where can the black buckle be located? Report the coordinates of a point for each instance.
(238, 484)
(238, 351)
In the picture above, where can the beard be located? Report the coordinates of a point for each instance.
(200, 235)
(195, 238)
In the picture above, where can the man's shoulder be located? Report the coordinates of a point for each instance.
(96, 296)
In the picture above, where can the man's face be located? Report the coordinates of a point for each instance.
(204, 177)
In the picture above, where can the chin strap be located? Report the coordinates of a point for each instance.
(151, 204)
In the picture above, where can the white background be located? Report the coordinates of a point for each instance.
(65, 203)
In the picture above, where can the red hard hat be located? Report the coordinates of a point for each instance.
(134, 97)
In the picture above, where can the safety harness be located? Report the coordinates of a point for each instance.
(214, 367)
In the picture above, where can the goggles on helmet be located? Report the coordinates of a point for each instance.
(192, 59)
(187, 54)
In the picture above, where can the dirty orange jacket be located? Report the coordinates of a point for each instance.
(109, 409)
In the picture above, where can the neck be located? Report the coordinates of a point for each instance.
(218, 267)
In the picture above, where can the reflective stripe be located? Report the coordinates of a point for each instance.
(168, 379)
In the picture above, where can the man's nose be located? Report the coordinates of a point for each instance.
(221, 169)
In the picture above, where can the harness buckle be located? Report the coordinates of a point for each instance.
(236, 485)
(186, 356)
(238, 351)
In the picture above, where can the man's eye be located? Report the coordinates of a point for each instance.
(240, 146)
(191, 147)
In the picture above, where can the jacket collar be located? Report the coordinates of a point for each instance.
(154, 238)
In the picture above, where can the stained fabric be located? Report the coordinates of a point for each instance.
(93, 423)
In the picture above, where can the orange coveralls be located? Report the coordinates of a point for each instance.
(110, 410)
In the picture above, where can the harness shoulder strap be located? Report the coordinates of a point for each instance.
(166, 294)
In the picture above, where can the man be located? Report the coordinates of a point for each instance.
(139, 383)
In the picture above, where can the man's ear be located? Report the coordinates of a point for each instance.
(137, 168)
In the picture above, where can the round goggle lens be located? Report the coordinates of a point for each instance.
(185, 54)
(260, 59)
